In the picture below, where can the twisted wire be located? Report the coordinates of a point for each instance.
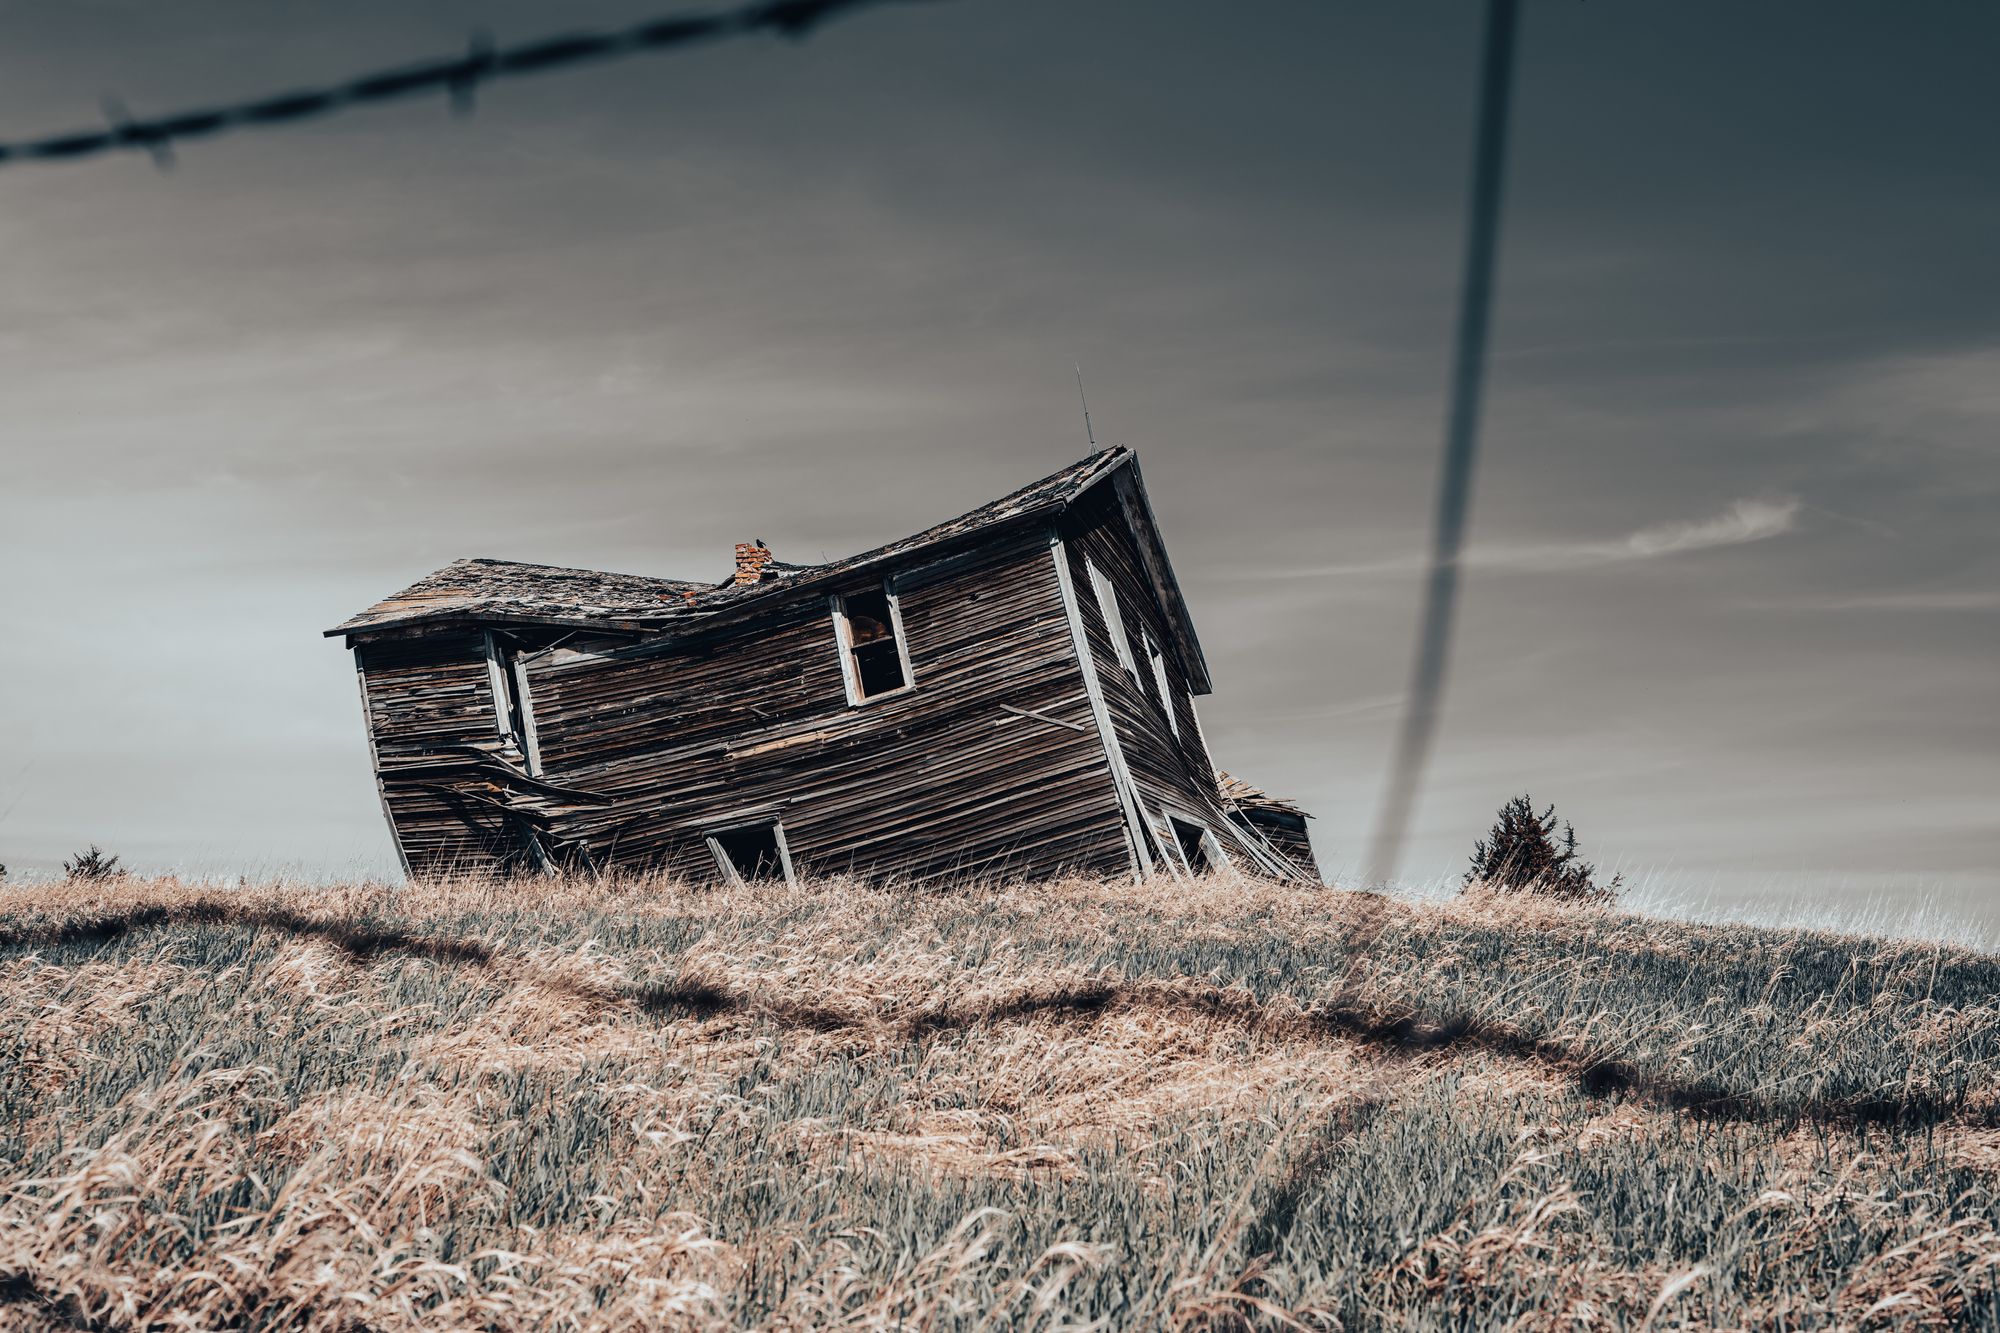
(457, 77)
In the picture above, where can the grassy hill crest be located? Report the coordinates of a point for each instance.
(642, 1104)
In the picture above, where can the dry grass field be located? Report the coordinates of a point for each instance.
(648, 1105)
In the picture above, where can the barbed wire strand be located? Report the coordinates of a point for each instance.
(1461, 448)
(458, 78)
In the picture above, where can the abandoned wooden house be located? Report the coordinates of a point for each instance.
(1011, 692)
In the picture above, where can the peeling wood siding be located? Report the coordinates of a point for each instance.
(1138, 844)
(1170, 772)
(752, 722)
(1291, 838)
(431, 696)
(375, 764)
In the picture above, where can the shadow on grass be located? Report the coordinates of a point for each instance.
(1399, 1033)
(62, 1311)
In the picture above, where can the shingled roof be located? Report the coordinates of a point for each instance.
(1240, 795)
(506, 591)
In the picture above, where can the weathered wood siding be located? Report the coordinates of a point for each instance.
(1287, 834)
(630, 751)
(662, 741)
(1170, 771)
(1294, 841)
(430, 704)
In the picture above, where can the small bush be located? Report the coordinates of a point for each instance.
(92, 864)
(1524, 854)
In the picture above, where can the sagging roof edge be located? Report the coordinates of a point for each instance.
(733, 612)
(1133, 503)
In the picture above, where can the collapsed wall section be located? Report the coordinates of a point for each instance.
(431, 720)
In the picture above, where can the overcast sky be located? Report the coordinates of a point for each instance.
(1735, 596)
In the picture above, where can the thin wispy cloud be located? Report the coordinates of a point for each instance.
(1935, 400)
(1972, 599)
(1743, 522)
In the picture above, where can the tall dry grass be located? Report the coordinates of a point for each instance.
(642, 1104)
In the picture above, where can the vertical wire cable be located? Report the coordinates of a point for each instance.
(1461, 448)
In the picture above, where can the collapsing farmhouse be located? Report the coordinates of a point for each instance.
(1011, 692)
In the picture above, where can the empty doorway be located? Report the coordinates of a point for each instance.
(1197, 846)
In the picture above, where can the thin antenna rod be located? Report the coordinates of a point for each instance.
(1088, 433)
(1461, 446)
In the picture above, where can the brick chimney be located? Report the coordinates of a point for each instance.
(751, 557)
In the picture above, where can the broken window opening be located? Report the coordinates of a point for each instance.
(1161, 690)
(875, 657)
(514, 715)
(754, 853)
(506, 702)
(515, 726)
(1199, 850)
(1114, 618)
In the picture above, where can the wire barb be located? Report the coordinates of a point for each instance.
(477, 65)
(457, 77)
(128, 131)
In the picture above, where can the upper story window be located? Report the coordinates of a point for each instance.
(1114, 618)
(874, 655)
(1161, 690)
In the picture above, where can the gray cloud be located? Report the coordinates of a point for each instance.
(827, 293)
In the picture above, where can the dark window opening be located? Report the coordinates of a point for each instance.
(876, 656)
(1193, 842)
(750, 855)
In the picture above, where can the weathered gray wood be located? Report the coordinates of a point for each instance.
(1107, 732)
(513, 741)
(896, 628)
(496, 680)
(530, 741)
(1168, 762)
(1114, 618)
(375, 765)
(1043, 717)
(923, 782)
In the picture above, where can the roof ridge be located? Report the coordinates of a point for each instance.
(566, 569)
(466, 588)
